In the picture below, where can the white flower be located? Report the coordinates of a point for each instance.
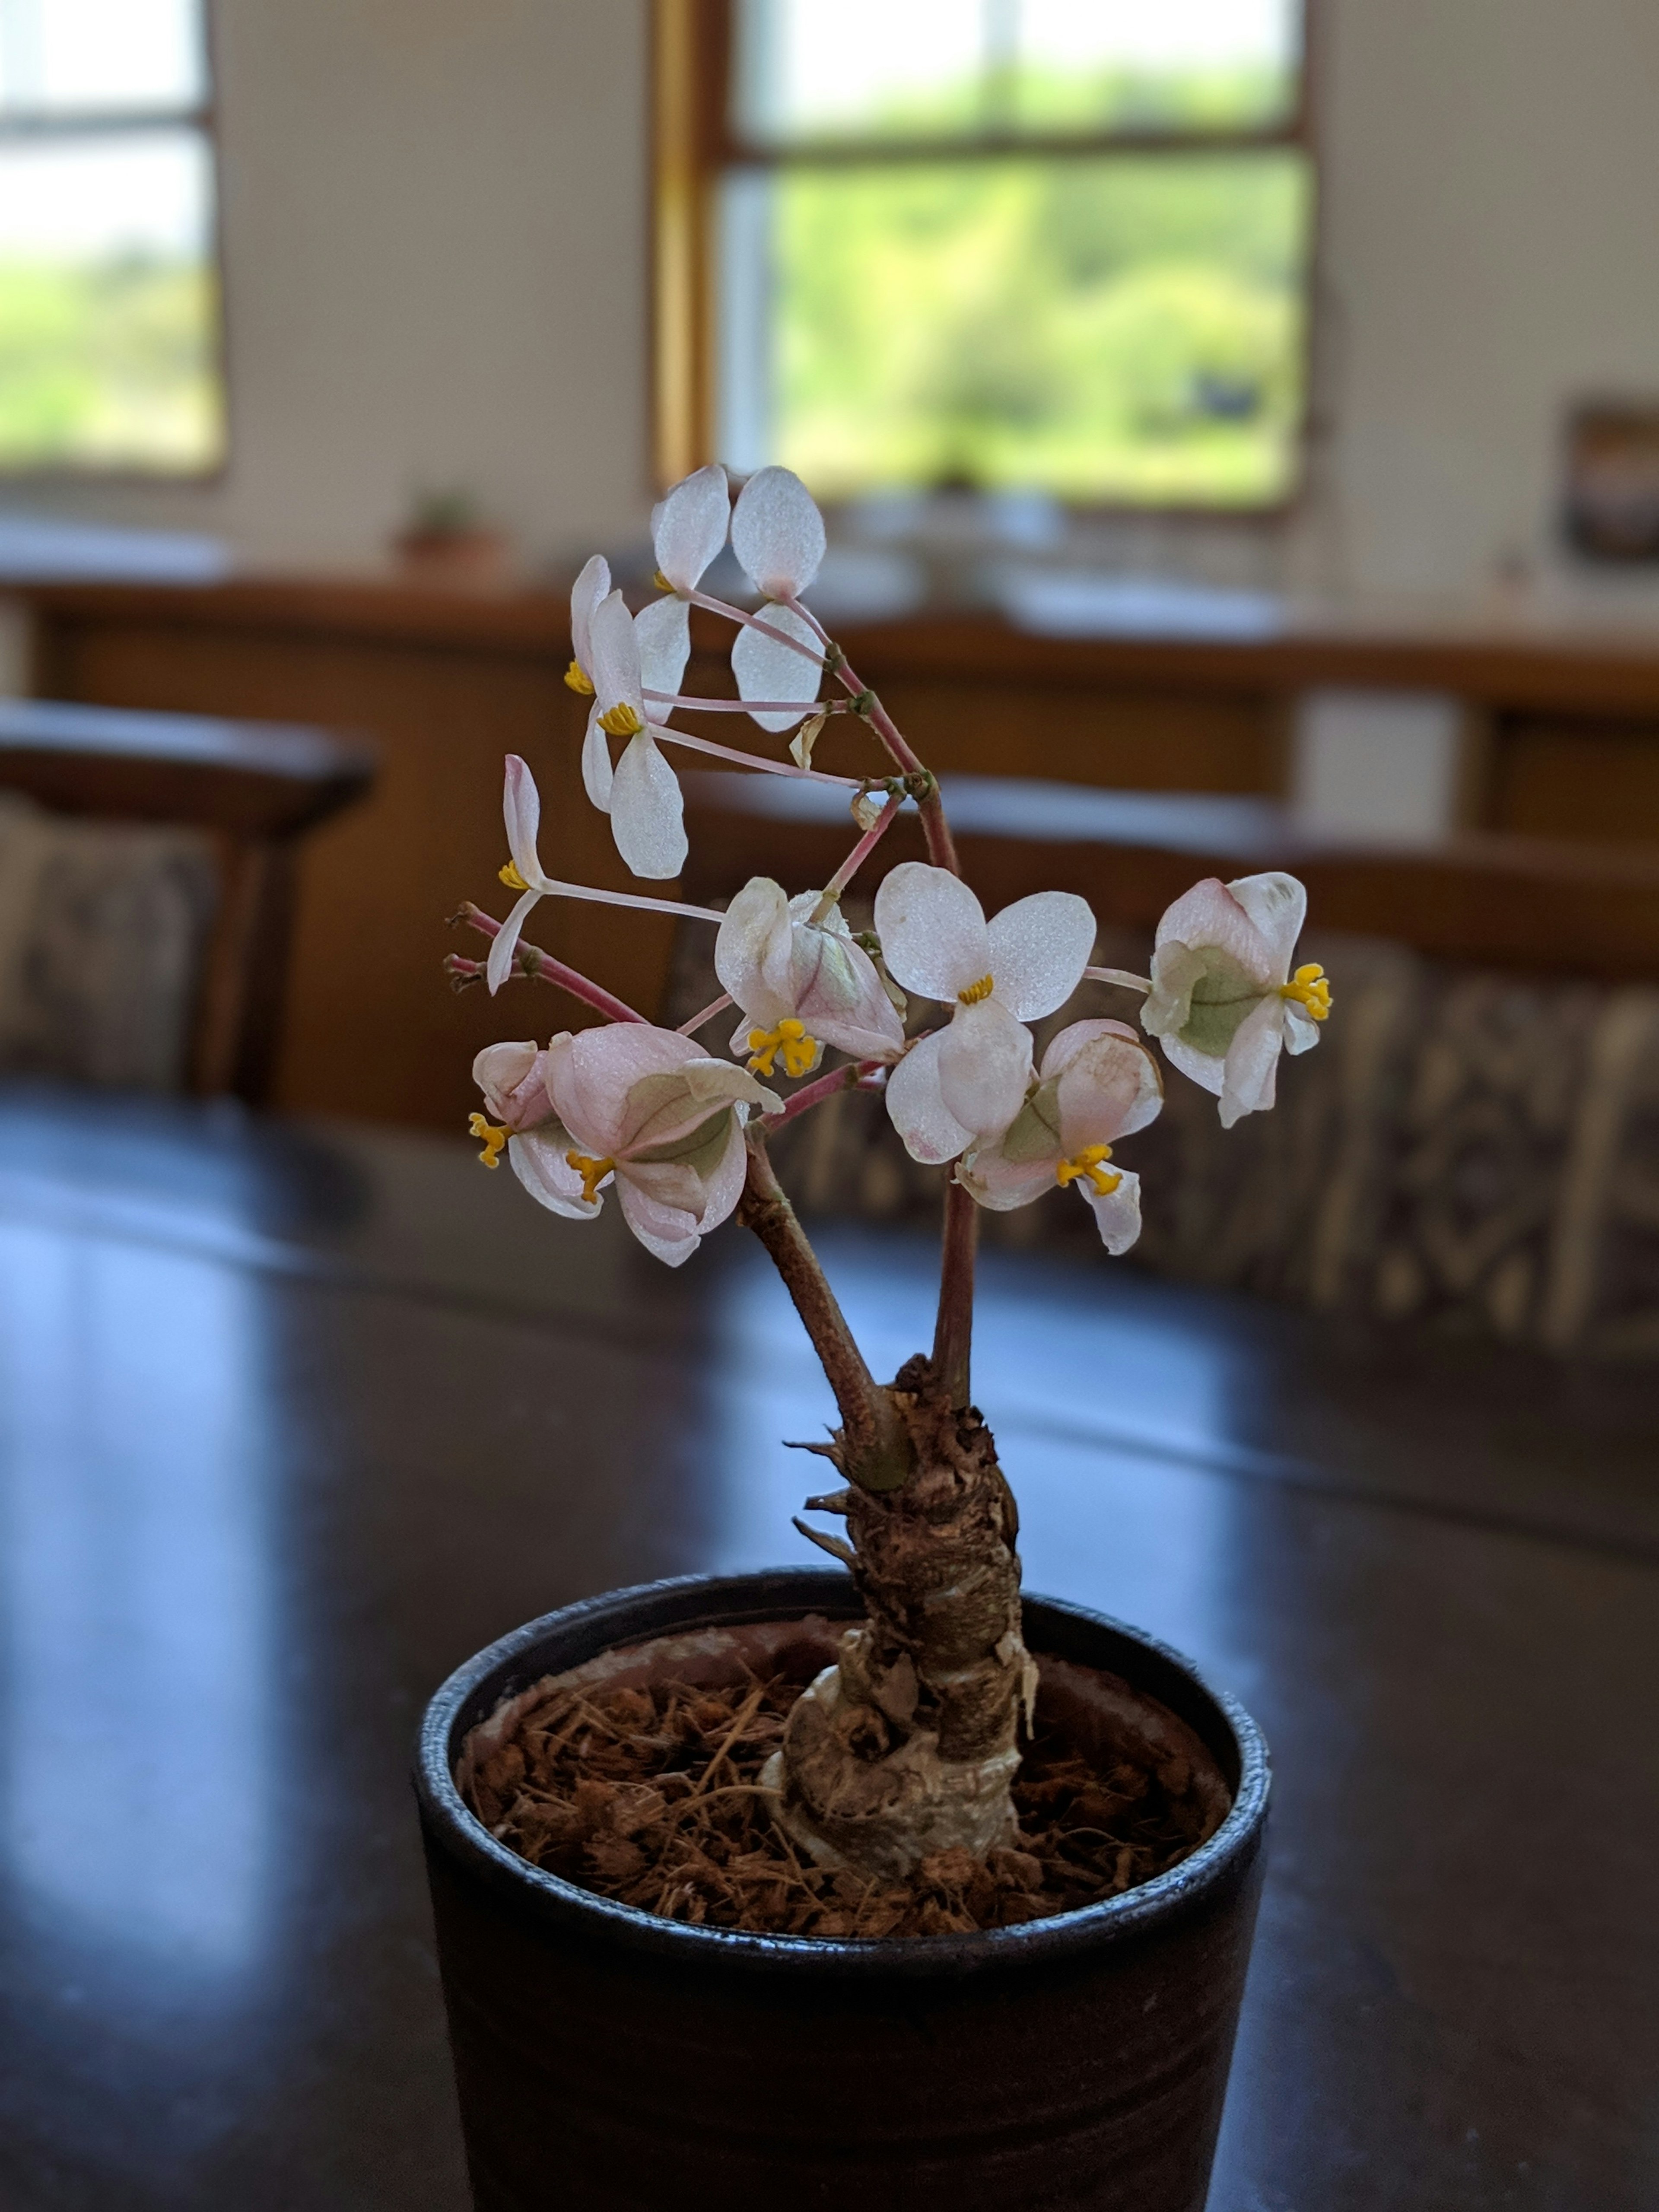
(519, 1115)
(642, 795)
(1098, 1083)
(777, 533)
(645, 1108)
(688, 525)
(802, 984)
(970, 1078)
(1223, 1000)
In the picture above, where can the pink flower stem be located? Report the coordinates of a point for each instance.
(826, 1086)
(715, 1007)
(683, 703)
(530, 960)
(856, 859)
(754, 622)
(953, 1331)
(1120, 976)
(941, 846)
(753, 760)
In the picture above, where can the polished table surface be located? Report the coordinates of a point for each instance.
(294, 1418)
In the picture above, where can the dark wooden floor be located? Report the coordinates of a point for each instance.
(291, 1421)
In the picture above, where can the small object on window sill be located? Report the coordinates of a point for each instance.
(448, 544)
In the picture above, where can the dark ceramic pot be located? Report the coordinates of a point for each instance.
(606, 2058)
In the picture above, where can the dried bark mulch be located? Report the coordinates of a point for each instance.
(651, 1796)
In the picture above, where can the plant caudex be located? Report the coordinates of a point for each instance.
(909, 1743)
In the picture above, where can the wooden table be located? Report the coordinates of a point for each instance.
(294, 1418)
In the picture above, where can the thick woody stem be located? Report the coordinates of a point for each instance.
(874, 1446)
(953, 1332)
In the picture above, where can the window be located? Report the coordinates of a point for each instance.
(1052, 244)
(109, 308)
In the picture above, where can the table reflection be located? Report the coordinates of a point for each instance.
(137, 1635)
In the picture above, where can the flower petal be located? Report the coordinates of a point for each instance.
(777, 533)
(1277, 905)
(689, 528)
(590, 587)
(1118, 1217)
(1251, 1068)
(666, 1230)
(539, 1163)
(589, 1076)
(663, 634)
(616, 671)
(999, 1184)
(933, 932)
(1202, 1068)
(597, 774)
(1040, 947)
(1301, 1030)
(917, 1110)
(1108, 1089)
(499, 965)
(648, 812)
(984, 1067)
(521, 811)
(501, 1072)
(766, 669)
(1210, 915)
(751, 951)
(725, 1187)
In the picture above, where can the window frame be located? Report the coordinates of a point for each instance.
(109, 123)
(692, 146)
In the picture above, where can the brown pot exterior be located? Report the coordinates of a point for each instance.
(608, 2059)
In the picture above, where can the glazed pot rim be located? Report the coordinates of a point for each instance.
(779, 1594)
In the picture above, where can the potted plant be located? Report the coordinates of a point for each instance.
(868, 1887)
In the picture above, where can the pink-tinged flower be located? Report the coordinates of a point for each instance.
(970, 1078)
(644, 1108)
(802, 983)
(641, 794)
(1223, 1001)
(518, 1116)
(689, 526)
(1098, 1083)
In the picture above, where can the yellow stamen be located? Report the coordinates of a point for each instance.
(510, 876)
(578, 679)
(660, 581)
(789, 1038)
(976, 992)
(621, 720)
(1310, 987)
(592, 1172)
(494, 1138)
(1087, 1162)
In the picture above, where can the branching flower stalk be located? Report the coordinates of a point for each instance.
(909, 1743)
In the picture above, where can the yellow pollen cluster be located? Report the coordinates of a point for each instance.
(494, 1138)
(510, 876)
(1310, 987)
(976, 992)
(579, 680)
(1088, 1163)
(592, 1172)
(789, 1038)
(621, 720)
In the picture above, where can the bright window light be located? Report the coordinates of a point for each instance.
(109, 310)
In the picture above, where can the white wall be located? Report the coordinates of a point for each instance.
(433, 215)
(435, 218)
(1491, 253)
